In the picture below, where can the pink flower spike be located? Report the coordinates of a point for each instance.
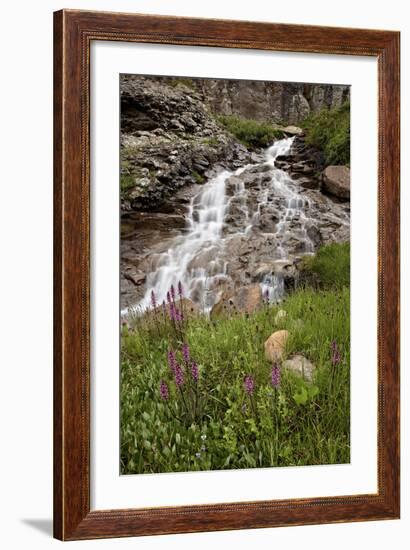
(163, 390)
(249, 384)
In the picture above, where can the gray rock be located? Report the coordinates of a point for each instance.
(301, 366)
(336, 181)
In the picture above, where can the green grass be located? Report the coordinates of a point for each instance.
(212, 141)
(127, 182)
(215, 424)
(198, 177)
(329, 130)
(251, 133)
(329, 267)
(188, 82)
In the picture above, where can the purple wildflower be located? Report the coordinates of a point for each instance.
(180, 289)
(172, 360)
(249, 384)
(164, 307)
(172, 290)
(169, 297)
(163, 390)
(179, 375)
(185, 353)
(153, 299)
(335, 354)
(178, 315)
(275, 376)
(266, 295)
(194, 371)
(172, 312)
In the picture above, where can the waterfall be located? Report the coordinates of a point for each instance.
(193, 258)
(198, 257)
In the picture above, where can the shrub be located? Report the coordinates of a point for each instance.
(198, 177)
(188, 82)
(250, 132)
(126, 182)
(329, 130)
(329, 267)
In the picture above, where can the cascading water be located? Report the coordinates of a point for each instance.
(183, 262)
(198, 257)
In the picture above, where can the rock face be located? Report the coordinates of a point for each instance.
(275, 345)
(169, 139)
(301, 366)
(336, 181)
(269, 101)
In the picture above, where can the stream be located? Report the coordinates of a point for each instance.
(200, 257)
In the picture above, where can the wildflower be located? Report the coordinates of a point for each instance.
(249, 384)
(153, 299)
(180, 289)
(195, 372)
(335, 353)
(178, 315)
(185, 352)
(275, 375)
(163, 390)
(198, 455)
(164, 307)
(266, 295)
(169, 297)
(179, 375)
(203, 437)
(172, 312)
(172, 360)
(203, 449)
(172, 290)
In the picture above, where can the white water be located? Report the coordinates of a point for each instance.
(195, 257)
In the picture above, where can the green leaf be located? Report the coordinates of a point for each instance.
(177, 439)
(313, 391)
(301, 396)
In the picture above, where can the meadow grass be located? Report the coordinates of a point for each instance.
(251, 133)
(214, 422)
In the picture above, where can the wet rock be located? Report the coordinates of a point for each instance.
(300, 366)
(246, 299)
(275, 345)
(336, 181)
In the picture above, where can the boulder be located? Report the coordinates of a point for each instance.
(292, 130)
(336, 181)
(275, 345)
(245, 299)
(301, 366)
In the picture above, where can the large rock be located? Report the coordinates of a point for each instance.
(293, 130)
(246, 299)
(336, 181)
(301, 366)
(275, 345)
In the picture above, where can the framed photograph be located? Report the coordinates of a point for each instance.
(226, 275)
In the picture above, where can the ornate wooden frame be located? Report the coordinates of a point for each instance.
(73, 33)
